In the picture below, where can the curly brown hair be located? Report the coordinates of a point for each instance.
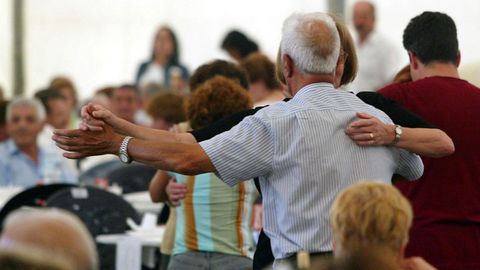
(215, 99)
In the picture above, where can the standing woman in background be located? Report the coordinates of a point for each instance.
(164, 67)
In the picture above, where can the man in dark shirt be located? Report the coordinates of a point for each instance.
(446, 199)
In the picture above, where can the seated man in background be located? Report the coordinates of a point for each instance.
(373, 216)
(125, 102)
(53, 231)
(23, 162)
(264, 88)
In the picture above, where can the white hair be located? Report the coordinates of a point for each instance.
(53, 230)
(312, 41)
(23, 101)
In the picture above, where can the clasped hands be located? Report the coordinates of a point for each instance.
(95, 135)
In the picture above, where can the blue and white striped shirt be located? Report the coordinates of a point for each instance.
(304, 159)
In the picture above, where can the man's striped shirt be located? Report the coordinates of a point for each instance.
(304, 159)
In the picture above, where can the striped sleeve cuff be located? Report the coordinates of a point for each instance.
(222, 168)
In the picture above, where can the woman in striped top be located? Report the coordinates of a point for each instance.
(213, 226)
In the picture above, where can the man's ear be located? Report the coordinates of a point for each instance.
(413, 60)
(287, 66)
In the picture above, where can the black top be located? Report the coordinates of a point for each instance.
(263, 255)
(395, 111)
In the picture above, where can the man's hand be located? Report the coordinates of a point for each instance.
(176, 191)
(416, 263)
(369, 131)
(94, 118)
(82, 143)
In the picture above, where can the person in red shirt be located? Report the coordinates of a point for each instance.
(446, 199)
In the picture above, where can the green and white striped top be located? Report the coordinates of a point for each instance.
(214, 217)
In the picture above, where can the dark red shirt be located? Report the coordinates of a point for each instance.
(446, 200)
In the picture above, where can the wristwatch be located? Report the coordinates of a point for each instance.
(123, 152)
(398, 135)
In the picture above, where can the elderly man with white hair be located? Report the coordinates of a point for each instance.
(51, 231)
(298, 148)
(23, 162)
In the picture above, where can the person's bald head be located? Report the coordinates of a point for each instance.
(56, 231)
(364, 18)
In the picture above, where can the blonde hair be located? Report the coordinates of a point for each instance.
(370, 215)
(349, 52)
(55, 231)
(24, 258)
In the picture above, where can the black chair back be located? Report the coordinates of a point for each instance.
(102, 212)
(132, 178)
(34, 197)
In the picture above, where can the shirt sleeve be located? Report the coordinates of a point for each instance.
(242, 153)
(394, 110)
(410, 166)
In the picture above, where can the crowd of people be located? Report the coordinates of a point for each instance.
(384, 176)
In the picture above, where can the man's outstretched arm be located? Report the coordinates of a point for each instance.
(172, 156)
(96, 117)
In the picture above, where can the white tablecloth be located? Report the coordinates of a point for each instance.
(6, 193)
(142, 203)
(150, 240)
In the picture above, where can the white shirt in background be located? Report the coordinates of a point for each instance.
(378, 62)
(153, 74)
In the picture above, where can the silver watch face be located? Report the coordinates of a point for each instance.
(398, 130)
(124, 158)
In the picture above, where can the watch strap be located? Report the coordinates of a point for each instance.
(124, 148)
(398, 135)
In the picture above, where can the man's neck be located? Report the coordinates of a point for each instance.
(362, 37)
(31, 151)
(437, 69)
(307, 79)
